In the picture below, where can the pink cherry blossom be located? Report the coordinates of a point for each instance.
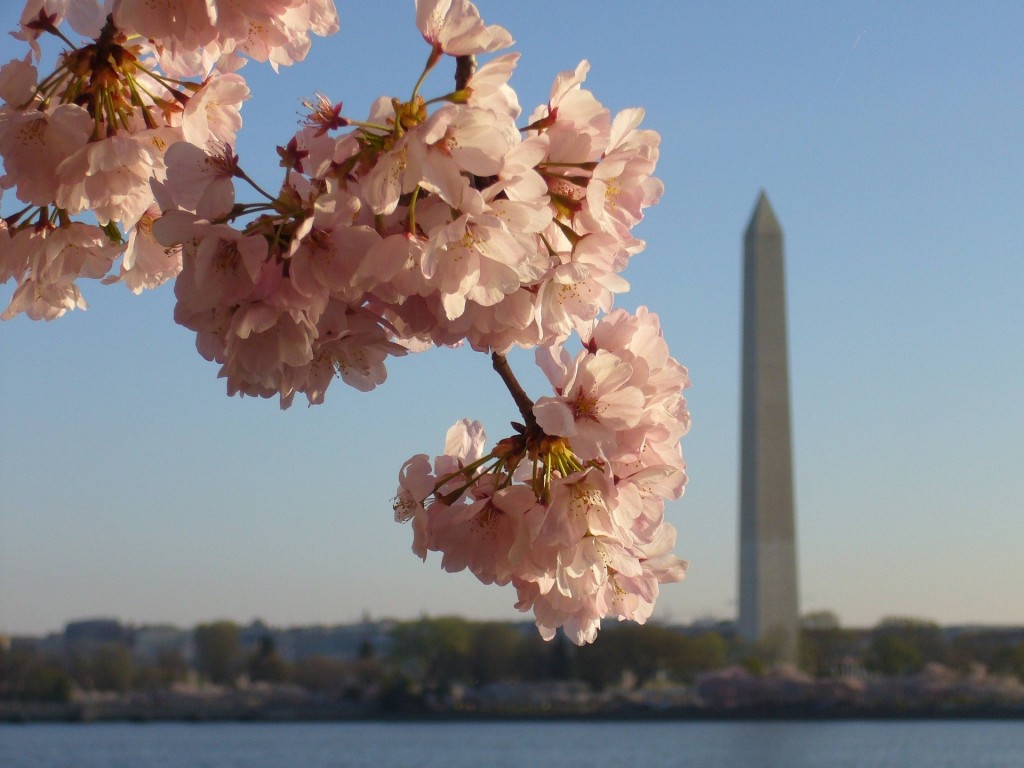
(638, 339)
(455, 28)
(188, 22)
(596, 402)
(17, 82)
(465, 441)
(658, 558)
(518, 178)
(580, 504)
(578, 617)
(55, 259)
(416, 483)
(84, 16)
(577, 289)
(578, 122)
(498, 327)
(354, 344)
(220, 265)
(148, 263)
(488, 86)
(13, 260)
(213, 114)
(201, 180)
(480, 535)
(476, 140)
(391, 177)
(621, 185)
(190, 36)
(473, 259)
(35, 143)
(111, 177)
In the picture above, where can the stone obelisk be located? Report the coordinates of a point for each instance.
(769, 608)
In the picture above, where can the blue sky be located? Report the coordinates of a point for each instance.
(888, 137)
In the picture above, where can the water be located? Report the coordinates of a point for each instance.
(516, 745)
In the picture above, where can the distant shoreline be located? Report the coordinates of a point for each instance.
(39, 713)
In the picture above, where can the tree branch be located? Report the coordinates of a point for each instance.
(465, 66)
(522, 400)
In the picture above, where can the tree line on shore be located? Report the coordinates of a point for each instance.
(435, 654)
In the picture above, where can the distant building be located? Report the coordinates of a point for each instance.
(152, 641)
(343, 642)
(87, 635)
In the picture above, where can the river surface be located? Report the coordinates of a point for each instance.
(855, 744)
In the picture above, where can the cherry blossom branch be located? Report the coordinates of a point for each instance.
(465, 66)
(294, 289)
(522, 400)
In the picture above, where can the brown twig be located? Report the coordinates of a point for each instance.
(465, 66)
(522, 400)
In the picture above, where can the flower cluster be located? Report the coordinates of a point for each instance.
(190, 38)
(92, 136)
(414, 227)
(431, 222)
(411, 228)
(571, 509)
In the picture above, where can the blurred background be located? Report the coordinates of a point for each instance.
(889, 141)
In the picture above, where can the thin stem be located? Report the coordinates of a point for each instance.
(139, 104)
(14, 219)
(570, 234)
(60, 35)
(73, 90)
(448, 97)
(411, 229)
(522, 400)
(244, 177)
(472, 476)
(167, 82)
(435, 55)
(53, 79)
(582, 166)
(137, 86)
(111, 113)
(551, 251)
(376, 127)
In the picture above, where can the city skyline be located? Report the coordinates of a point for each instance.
(116, 630)
(889, 141)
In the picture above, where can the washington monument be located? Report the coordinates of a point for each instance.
(769, 608)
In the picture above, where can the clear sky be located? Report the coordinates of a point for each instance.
(888, 137)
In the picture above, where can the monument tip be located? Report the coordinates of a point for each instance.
(762, 220)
